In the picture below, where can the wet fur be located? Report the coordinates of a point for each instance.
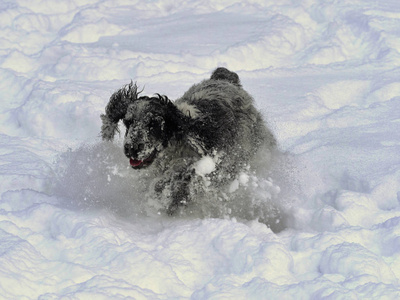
(214, 118)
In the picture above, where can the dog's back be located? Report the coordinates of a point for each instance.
(225, 117)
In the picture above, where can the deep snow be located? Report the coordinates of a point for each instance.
(324, 73)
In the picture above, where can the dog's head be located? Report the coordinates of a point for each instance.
(150, 123)
(147, 130)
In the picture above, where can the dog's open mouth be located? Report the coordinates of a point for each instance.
(138, 164)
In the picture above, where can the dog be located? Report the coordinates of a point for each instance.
(205, 138)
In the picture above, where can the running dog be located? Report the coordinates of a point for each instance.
(204, 138)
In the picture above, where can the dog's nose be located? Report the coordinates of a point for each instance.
(133, 150)
(129, 150)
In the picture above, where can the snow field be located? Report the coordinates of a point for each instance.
(325, 75)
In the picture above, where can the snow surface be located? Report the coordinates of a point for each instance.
(326, 75)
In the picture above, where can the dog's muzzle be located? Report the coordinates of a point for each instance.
(138, 164)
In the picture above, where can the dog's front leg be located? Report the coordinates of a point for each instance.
(180, 190)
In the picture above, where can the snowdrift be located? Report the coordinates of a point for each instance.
(321, 222)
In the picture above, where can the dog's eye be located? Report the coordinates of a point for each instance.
(155, 126)
(127, 123)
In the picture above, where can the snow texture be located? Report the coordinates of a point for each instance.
(326, 75)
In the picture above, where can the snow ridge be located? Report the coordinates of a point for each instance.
(321, 222)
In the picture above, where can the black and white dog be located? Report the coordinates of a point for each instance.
(204, 138)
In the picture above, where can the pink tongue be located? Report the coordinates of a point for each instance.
(135, 163)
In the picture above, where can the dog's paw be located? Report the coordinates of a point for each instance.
(175, 206)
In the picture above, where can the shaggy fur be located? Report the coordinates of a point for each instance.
(215, 118)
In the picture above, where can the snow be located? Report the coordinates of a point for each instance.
(325, 75)
(205, 166)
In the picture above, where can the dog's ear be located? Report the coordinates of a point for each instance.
(116, 109)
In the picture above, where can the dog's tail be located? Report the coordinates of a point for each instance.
(116, 109)
(226, 75)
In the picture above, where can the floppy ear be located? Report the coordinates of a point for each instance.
(116, 109)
